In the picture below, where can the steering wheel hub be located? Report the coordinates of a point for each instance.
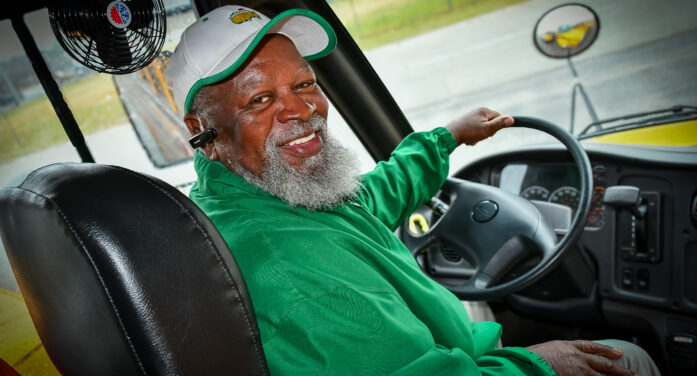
(485, 211)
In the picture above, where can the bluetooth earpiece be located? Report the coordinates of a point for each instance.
(204, 138)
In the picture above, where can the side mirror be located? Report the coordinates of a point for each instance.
(566, 30)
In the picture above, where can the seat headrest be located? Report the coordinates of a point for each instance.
(123, 274)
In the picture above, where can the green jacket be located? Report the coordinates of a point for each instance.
(336, 293)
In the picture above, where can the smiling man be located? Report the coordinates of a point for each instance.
(334, 291)
(273, 131)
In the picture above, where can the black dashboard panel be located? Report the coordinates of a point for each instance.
(646, 265)
(667, 282)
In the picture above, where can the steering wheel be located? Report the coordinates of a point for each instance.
(495, 230)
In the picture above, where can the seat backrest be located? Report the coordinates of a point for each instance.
(123, 274)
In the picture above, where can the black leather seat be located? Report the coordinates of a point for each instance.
(124, 275)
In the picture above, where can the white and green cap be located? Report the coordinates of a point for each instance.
(220, 41)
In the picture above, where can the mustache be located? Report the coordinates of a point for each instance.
(296, 128)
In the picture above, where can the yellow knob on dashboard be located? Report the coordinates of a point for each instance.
(419, 219)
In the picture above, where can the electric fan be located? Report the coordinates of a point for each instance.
(115, 37)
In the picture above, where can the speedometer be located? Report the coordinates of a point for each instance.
(535, 192)
(567, 196)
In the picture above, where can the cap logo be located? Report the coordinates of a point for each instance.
(118, 14)
(243, 15)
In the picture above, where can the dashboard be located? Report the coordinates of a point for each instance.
(628, 272)
(667, 181)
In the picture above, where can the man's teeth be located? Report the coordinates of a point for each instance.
(302, 140)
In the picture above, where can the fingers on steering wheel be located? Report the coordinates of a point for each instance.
(494, 125)
(488, 113)
(589, 347)
(606, 366)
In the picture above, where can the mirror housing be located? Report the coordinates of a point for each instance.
(566, 30)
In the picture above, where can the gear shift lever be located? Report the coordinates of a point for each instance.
(625, 197)
(637, 222)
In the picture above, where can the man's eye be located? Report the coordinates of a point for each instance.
(306, 84)
(261, 99)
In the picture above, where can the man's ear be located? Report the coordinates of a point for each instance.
(196, 125)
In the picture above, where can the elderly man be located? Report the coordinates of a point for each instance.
(335, 292)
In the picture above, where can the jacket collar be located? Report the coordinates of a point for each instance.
(215, 179)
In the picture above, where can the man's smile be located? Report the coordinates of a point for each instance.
(302, 140)
(303, 147)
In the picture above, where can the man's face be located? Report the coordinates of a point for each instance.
(272, 94)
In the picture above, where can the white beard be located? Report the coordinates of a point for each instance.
(326, 180)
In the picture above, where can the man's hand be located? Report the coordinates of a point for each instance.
(477, 125)
(580, 358)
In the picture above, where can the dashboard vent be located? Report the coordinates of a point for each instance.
(450, 255)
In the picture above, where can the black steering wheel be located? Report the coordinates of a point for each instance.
(495, 230)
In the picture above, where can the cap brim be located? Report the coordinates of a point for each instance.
(311, 34)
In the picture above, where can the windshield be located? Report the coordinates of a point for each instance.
(441, 59)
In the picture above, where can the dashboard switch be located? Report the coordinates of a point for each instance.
(642, 279)
(627, 278)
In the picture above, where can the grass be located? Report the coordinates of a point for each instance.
(34, 125)
(373, 23)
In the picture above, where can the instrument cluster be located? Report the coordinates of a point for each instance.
(557, 183)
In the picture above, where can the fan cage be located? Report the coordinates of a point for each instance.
(85, 33)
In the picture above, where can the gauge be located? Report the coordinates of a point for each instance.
(596, 214)
(535, 192)
(598, 194)
(599, 169)
(567, 196)
(599, 174)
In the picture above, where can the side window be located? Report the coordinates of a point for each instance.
(128, 120)
(30, 133)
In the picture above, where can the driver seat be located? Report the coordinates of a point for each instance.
(124, 275)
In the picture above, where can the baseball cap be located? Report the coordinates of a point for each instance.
(219, 42)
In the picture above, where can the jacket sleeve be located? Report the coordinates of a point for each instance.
(413, 174)
(370, 333)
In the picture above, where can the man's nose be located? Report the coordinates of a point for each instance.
(295, 107)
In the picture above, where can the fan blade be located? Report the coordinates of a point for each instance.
(113, 48)
(90, 32)
(142, 11)
(71, 15)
